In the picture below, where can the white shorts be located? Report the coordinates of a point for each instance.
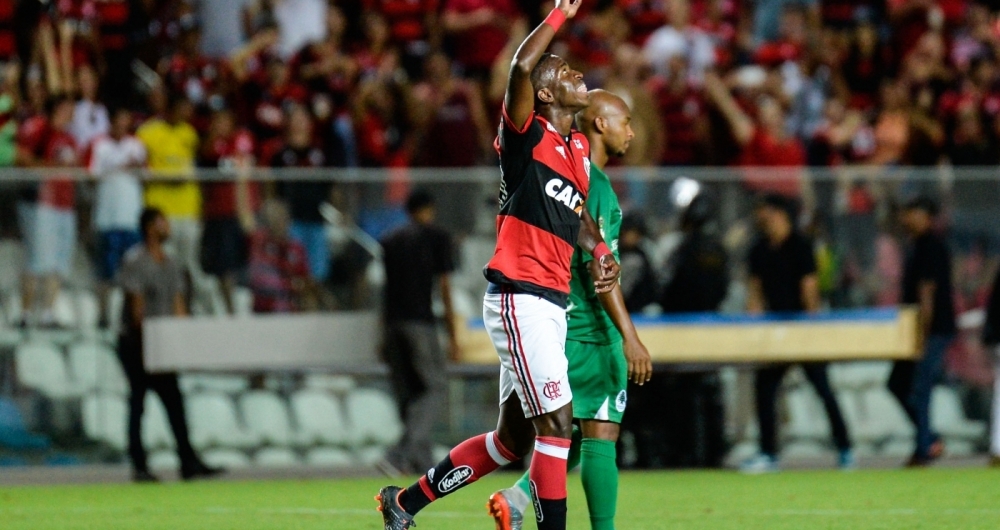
(50, 238)
(529, 334)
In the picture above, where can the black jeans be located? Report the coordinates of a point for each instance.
(766, 387)
(913, 382)
(165, 385)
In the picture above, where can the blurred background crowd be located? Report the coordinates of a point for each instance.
(228, 115)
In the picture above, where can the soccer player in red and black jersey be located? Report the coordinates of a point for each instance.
(544, 166)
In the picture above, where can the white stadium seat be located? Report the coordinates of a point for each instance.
(807, 418)
(214, 422)
(105, 418)
(226, 384)
(373, 416)
(88, 309)
(329, 457)
(276, 457)
(95, 367)
(156, 433)
(859, 375)
(164, 460)
(42, 366)
(338, 384)
(320, 419)
(226, 458)
(266, 416)
(948, 417)
(243, 301)
(806, 449)
(65, 311)
(370, 456)
(882, 418)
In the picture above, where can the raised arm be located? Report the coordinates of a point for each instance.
(603, 268)
(741, 124)
(520, 97)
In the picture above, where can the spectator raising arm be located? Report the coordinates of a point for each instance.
(741, 125)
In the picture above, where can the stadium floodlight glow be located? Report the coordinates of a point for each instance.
(683, 191)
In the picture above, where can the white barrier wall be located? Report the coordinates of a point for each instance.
(343, 341)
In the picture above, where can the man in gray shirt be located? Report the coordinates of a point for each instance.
(153, 283)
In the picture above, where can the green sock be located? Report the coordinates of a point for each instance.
(599, 473)
(571, 462)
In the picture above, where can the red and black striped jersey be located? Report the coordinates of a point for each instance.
(544, 179)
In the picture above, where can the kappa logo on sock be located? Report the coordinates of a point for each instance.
(534, 500)
(621, 401)
(453, 479)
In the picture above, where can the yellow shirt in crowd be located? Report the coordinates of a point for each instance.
(172, 150)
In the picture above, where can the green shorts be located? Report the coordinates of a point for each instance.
(598, 376)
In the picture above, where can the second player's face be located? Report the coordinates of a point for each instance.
(619, 133)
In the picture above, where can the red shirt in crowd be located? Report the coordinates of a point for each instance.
(407, 18)
(60, 151)
(478, 47)
(764, 150)
(679, 112)
(8, 44)
(644, 17)
(274, 266)
(113, 20)
(220, 196)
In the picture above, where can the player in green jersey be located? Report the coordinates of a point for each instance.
(602, 346)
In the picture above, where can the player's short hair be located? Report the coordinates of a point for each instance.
(542, 73)
(53, 103)
(778, 202)
(146, 220)
(922, 203)
(418, 200)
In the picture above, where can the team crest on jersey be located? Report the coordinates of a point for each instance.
(578, 144)
(621, 401)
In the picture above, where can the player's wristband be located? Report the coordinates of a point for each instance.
(555, 19)
(600, 251)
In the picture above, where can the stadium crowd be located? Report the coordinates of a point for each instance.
(177, 85)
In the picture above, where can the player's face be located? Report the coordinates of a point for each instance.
(618, 134)
(568, 87)
(122, 123)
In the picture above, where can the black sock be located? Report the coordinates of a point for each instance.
(550, 514)
(413, 499)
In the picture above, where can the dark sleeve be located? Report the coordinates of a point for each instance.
(444, 258)
(515, 147)
(754, 260)
(931, 262)
(991, 328)
(807, 258)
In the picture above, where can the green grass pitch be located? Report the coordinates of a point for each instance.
(927, 499)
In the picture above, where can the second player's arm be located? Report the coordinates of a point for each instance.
(604, 269)
(640, 366)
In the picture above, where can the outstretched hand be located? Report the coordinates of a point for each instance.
(568, 7)
(605, 272)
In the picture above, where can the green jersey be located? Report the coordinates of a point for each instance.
(587, 321)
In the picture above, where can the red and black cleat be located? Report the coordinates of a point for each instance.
(393, 515)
